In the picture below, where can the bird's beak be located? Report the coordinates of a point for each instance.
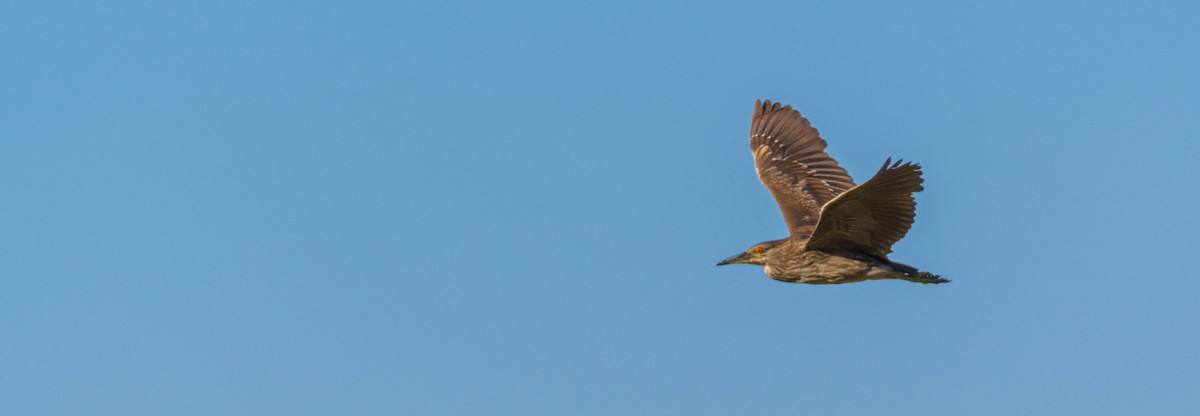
(740, 258)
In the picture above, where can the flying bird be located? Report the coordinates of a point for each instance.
(839, 232)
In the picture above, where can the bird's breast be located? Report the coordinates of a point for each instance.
(818, 267)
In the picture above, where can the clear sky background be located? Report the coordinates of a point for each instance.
(484, 208)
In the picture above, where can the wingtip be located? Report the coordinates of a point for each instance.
(889, 164)
(765, 105)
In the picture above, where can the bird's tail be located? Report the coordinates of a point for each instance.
(913, 275)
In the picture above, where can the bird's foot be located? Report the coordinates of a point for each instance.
(926, 277)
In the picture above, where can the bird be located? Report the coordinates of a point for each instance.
(838, 232)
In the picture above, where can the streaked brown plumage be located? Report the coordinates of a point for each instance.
(838, 232)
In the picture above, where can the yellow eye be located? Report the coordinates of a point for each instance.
(758, 250)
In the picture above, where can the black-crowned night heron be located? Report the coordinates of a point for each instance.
(839, 232)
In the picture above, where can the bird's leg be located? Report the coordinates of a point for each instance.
(925, 277)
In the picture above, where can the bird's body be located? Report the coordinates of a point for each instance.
(790, 262)
(840, 232)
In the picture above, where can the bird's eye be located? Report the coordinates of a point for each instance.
(758, 250)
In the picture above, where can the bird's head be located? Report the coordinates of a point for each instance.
(757, 254)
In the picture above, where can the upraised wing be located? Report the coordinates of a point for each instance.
(872, 216)
(790, 158)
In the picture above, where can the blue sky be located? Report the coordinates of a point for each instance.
(484, 208)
